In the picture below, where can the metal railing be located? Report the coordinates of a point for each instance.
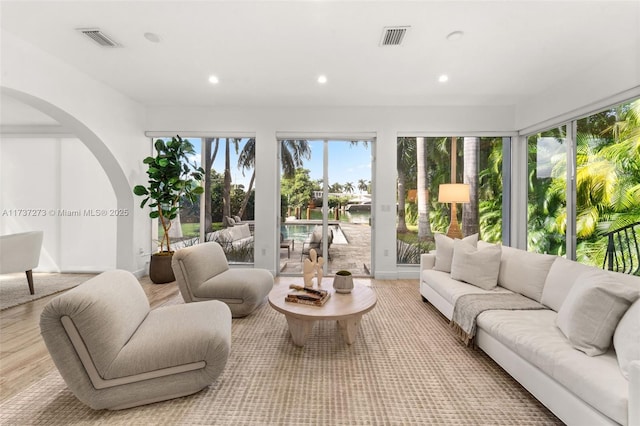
(623, 250)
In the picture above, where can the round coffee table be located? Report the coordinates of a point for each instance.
(346, 309)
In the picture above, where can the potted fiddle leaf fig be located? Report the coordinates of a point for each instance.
(172, 178)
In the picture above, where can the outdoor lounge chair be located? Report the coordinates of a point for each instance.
(314, 241)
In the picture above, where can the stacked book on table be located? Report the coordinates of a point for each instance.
(307, 295)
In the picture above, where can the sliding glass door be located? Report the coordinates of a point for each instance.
(326, 205)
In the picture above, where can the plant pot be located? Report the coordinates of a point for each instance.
(343, 282)
(160, 271)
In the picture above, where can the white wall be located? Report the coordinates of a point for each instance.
(112, 126)
(57, 186)
(109, 124)
(386, 123)
(611, 80)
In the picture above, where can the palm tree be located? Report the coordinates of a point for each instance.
(247, 161)
(293, 152)
(209, 158)
(363, 186)
(424, 225)
(226, 188)
(335, 187)
(348, 187)
(292, 156)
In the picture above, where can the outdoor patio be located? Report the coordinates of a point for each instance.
(353, 253)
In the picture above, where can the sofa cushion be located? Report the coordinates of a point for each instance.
(562, 275)
(479, 267)
(450, 289)
(444, 250)
(163, 334)
(224, 235)
(243, 230)
(106, 311)
(235, 232)
(626, 338)
(524, 272)
(592, 310)
(534, 336)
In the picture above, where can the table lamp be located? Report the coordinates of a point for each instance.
(454, 193)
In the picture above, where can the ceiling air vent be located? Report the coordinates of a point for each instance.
(393, 36)
(99, 37)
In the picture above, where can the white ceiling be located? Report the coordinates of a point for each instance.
(268, 53)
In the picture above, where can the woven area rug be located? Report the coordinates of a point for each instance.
(14, 289)
(405, 367)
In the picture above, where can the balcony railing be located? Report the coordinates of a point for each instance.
(623, 250)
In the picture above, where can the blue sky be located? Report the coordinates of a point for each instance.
(347, 163)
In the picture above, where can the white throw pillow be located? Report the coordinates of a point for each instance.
(626, 339)
(590, 313)
(444, 250)
(525, 272)
(477, 267)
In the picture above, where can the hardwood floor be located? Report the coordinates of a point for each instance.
(24, 358)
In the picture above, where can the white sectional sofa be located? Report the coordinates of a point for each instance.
(530, 345)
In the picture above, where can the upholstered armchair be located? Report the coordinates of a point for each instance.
(21, 253)
(203, 273)
(114, 352)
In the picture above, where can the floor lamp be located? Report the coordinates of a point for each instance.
(454, 193)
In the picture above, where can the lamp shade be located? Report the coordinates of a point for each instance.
(453, 193)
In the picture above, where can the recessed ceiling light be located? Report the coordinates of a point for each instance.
(152, 37)
(443, 78)
(455, 36)
(322, 79)
(213, 79)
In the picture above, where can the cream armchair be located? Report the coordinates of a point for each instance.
(21, 253)
(114, 352)
(202, 273)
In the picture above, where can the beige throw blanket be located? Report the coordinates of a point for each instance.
(469, 306)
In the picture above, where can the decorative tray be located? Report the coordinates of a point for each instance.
(307, 296)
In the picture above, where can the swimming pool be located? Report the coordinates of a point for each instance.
(300, 232)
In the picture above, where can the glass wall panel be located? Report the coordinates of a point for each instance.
(346, 213)
(226, 209)
(426, 163)
(607, 180)
(229, 210)
(547, 205)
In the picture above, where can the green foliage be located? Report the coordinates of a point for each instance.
(607, 184)
(237, 196)
(411, 214)
(171, 178)
(298, 189)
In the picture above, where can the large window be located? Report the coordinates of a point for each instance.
(547, 187)
(326, 204)
(606, 154)
(225, 212)
(424, 163)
